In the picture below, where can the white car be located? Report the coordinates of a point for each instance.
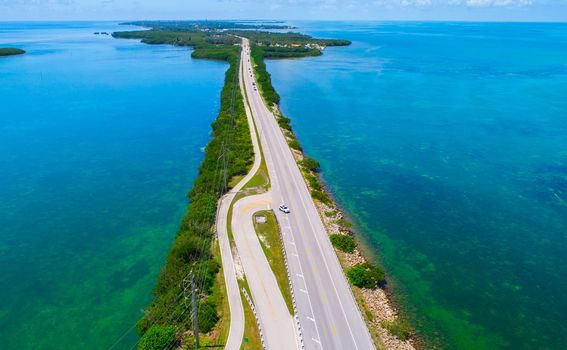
(284, 208)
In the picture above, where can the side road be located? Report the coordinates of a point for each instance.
(236, 331)
(276, 321)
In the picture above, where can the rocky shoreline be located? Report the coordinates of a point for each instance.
(379, 309)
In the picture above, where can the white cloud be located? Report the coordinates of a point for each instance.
(491, 3)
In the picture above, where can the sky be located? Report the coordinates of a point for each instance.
(467, 10)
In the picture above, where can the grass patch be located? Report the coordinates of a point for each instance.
(220, 333)
(251, 330)
(271, 244)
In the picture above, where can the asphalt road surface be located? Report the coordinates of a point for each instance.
(328, 313)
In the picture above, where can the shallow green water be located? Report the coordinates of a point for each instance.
(447, 144)
(100, 139)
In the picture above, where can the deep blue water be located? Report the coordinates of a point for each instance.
(100, 139)
(447, 145)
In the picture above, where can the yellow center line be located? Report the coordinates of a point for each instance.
(324, 297)
(334, 330)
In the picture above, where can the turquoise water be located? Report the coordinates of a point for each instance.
(447, 144)
(100, 139)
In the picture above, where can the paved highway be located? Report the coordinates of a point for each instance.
(328, 314)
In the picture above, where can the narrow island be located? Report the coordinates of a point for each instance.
(195, 254)
(11, 52)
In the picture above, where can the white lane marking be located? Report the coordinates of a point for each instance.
(310, 318)
(316, 341)
(299, 275)
(303, 290)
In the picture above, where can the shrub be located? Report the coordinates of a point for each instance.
(321, 196)
(295, 145)
(330, 213)
(365, 275)
(310, 164)
(157, 338)
(400, 328)
(342, 242)
(284, 123)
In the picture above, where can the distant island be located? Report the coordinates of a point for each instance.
(11, 52)
(209, 26)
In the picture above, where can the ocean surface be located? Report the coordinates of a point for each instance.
(446, 143)
(100, 140)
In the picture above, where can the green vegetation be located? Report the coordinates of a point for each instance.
(269, 234)
(158, 338)
(208, 25)
(330, 213)
(310, 164)
(344, 223)
(343, 243)
(295, 145)
(313, 182)
(365, 275)
(284, 123)
(206, 45)
(192, 249)
(400, 328)
(251, 338)
(280, 45)
(263, 78)
(11, 52)
(293, 42)
(322, 197)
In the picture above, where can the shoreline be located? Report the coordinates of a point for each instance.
(380, 302)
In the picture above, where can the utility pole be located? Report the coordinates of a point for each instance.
(189, 287)
(194, 309)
